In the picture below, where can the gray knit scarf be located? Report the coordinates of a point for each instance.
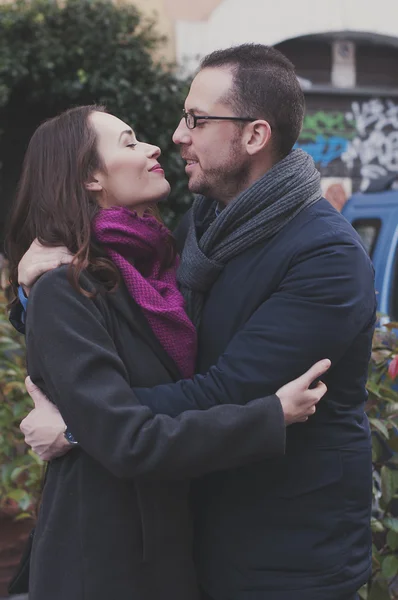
(254, 216)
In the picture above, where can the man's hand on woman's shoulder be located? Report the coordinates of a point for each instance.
(39, 259)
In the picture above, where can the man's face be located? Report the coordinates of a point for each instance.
(217, 164)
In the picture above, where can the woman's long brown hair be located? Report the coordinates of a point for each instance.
(52, 203)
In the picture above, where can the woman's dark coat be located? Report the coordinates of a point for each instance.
(114, 519)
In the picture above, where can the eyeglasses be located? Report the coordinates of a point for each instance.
(191, 120)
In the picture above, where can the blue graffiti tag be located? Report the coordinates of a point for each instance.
(324, 149)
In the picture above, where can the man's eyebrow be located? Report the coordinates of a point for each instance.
(125, 132)
(195, 111)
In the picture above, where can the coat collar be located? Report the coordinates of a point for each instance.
(129, 309)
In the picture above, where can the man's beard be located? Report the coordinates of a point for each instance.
(223, 183)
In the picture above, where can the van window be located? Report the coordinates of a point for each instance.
(368, 230)
(393, 301)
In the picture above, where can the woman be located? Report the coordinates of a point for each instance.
(114, 519)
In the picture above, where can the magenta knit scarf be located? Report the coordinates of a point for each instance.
(136, 245)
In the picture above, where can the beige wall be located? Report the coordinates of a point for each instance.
(190, 10)
(196, 27)
(164, 24)
(234, 22)
(167, 12)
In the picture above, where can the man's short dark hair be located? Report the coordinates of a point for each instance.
(265, 86)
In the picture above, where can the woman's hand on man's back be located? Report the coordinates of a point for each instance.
(300, 396)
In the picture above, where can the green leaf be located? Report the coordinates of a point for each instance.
(363, 593)
(17, 472)
(17, 495)
(389, 566)
(393, 443)
(390, 523)
(378, 592)
(389, 483)
(36, 458)
(22, 516)
(378, 527)
(373, 388)
(392, 540)
(380, 426)
(377, 449)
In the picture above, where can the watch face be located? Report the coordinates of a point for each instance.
(69, 437)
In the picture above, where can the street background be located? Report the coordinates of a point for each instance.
(54, 56)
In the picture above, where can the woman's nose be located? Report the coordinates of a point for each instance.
(152, 151)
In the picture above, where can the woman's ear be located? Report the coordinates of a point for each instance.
(93, 186)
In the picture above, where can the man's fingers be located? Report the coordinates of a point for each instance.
(33, 271)
(35, 393)
(62, 258)
(39, 259)
(317, 370)
(37, 244)
(319, 391)
(23, 427)
(65, 259)
(30, 386)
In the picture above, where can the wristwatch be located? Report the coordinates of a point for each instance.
(69, 437)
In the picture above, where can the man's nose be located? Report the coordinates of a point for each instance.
(182, 135)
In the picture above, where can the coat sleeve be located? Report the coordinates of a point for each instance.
(76, 363)
(323, 302)
(17, 317)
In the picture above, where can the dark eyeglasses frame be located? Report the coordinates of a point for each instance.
(186, 115)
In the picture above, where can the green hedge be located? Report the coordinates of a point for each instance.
(55, 56)
(382, 410)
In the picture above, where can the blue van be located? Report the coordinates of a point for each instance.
(374, 215)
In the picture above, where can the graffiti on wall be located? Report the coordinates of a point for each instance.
(325, 136)
(376, 144)
(362, 143)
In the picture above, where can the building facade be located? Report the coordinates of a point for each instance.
(346, 55)
(350, 80)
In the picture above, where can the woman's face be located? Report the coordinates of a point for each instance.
(132, 176)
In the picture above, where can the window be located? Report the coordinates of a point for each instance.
(368, 230)
(393, 300)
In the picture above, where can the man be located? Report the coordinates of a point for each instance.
(274, 278)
